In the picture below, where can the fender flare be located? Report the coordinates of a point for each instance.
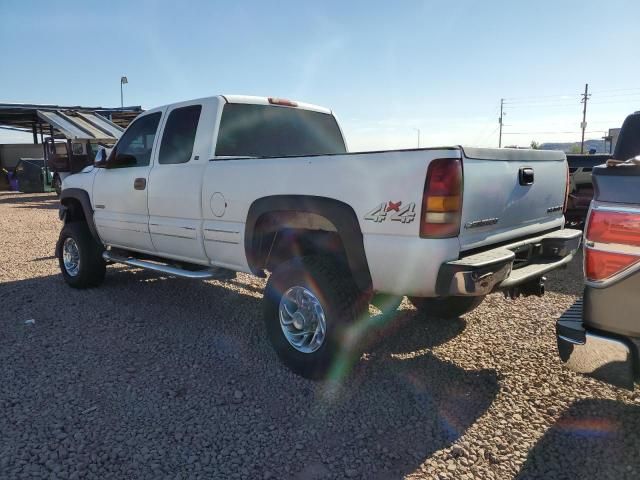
(83, 198)
(338, 213)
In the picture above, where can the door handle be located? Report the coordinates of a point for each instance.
(140, 183)
(526, 176)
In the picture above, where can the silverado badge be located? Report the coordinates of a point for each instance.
(398, 212)
(481, 223)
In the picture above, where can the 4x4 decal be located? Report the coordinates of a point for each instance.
(397, 212)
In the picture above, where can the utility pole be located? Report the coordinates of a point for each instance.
(583, 125)
(418, 130)
(500, 122)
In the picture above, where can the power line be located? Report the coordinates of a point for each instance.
(617, 90)
(616, 95)
(564, 123)
(617, 102)
(609, 97)
(551, 133)
(570, 95)
(480, 139)
(564, 98)
(533, 105)
(603, 122)
(549, 99)
(544, 102)
(556, 105)
(538, 96)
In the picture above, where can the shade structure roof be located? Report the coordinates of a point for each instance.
(70, 122)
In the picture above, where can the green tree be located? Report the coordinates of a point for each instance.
(574, 149)
(535, 145)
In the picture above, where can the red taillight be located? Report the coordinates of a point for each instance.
(600, 265)
(442, 199)
(282, 101)
(608, 237)
(614, 227)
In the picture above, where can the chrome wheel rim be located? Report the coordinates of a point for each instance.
(71, 257)
(302, 320)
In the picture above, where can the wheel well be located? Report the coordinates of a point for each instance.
(282, 236)
(281, 227)
(75, 212)
(79, 208)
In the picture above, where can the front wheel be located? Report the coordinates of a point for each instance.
(80, 256)
(309, 303)
(446, 307)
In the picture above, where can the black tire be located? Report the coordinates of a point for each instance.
(91, 266)
(340, 300)
(57, 184)
(449, 307)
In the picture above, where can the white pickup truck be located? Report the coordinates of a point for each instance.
(209, 187)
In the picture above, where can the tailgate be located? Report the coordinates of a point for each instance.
(501, 201)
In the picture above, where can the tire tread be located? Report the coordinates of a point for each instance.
(92, 265)
(347, 303)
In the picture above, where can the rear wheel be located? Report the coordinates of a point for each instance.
(80, 256)
(447, 307)
(309, 303)
(57, 184)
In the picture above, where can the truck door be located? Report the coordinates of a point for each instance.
(120, 191)
(175, 184)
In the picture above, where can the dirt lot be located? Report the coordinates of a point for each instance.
(154, 377)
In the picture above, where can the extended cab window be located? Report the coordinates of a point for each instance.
(272, 131)
(134, 148)
(179, 135)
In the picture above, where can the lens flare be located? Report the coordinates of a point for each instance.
(590, 427)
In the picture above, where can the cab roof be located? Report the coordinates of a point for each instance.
(274, 101)
(247, 99)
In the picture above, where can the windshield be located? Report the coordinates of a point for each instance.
(269, 131)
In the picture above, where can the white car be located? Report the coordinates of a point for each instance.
(209, 187)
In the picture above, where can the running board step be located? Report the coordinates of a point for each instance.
(214, 273)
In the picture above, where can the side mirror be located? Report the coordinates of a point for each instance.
(120, 160)
(101, 158)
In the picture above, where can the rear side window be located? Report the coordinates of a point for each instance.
(272, 131)
(179, 135)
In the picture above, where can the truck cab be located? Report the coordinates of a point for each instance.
(150, 197)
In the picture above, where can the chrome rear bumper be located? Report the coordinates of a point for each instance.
(605, 358)
(481, 273)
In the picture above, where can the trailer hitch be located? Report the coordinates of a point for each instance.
(533, 287)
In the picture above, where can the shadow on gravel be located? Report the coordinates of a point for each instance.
(42, 259)
(25, 200)
(569, 280)
(594, 439)
(148, 377)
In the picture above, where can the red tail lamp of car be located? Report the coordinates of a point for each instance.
(442, 199)
(612, 243)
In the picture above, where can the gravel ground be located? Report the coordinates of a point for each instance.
(153, 377)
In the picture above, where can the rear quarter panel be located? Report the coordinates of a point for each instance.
(364, 181)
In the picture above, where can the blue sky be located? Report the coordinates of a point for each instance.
(385, 68)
